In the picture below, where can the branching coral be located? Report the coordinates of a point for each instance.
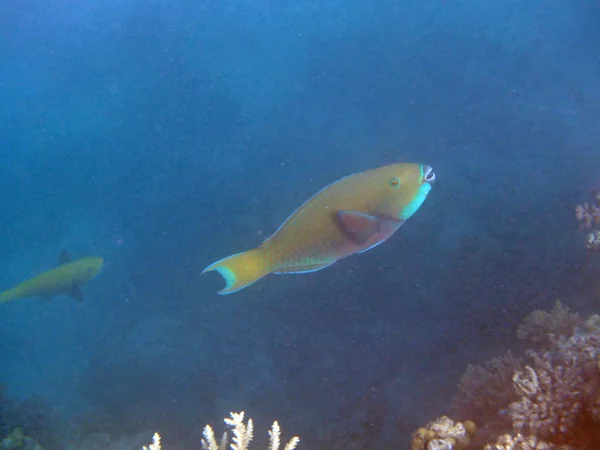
(553, 401)
(592, 241)
(559, 393)
(155, 443)
(540, 326)
(242, 436)
(588, 216)
(520, 442)
(551, 397)
(555, 410)
(485, 391)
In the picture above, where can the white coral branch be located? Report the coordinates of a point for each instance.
(292, 444)
(242, 433)
(274, 434)
(275, 441)
(242, 436)
(223, 444)
(210, 443)
(155, 443)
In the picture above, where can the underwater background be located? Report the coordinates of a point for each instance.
(164, 135)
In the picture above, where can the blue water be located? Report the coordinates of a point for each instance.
(164, 135)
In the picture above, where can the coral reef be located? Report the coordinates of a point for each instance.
(588, 216)
(550, 401)
(540, 327)
(17, 440)
(484, 391)
(520, 442)
(243, 434)
(155, 443)
(592, 241)
(29, 424)
(444, 434)
(552, 396)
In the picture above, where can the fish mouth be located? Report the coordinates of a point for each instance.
(428, 174)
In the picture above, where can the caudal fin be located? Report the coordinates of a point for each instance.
(239, 270)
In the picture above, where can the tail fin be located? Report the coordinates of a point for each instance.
(240, 270)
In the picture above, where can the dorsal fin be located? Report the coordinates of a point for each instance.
(64, 258)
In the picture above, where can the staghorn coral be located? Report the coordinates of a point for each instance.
(242, 436)
(155, 443)
(540, 326)
(444, 434)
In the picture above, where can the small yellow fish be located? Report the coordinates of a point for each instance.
(67, 278)
(350, 216)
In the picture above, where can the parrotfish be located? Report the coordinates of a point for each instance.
(350, 216)
(67, 278)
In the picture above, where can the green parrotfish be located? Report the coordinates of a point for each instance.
(352, 215)
(67, 278)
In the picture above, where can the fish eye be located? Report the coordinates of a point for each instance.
(394, 182)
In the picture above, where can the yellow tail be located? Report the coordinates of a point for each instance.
(240, 270)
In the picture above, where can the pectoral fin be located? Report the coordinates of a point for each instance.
(76, 293)
(357, 226)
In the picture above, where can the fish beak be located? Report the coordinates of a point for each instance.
(428, 174)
